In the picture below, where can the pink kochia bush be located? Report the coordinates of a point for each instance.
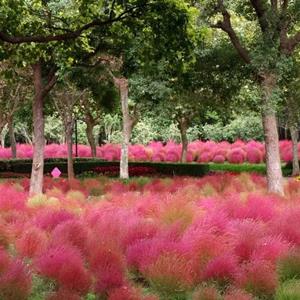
(218, 237)
(198, 151)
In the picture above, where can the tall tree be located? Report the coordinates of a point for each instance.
(13, 94)
(274, 38)
(66, 98)
(292, 103)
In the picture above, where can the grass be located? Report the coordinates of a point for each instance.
(239, 168)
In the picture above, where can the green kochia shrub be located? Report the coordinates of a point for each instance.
(289, 290)
(289, 266)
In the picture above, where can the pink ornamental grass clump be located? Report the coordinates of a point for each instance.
(11, 199)
(15, 278)
(258, 277)
(219, 159)
(73, 233)
(138, 153)
(287, 224)
(222, 268)
(48, 219)
(266, 205)
(65, 265)
(172, 155)
(271, 248)
(254, 155)
(245, 235)
(236, 156)
(107, 263)
(205, 157)
(32, 242)
(170, 273)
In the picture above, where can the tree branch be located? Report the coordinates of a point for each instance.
(68, 35)
(226, 26)
(284, 5)
(261, 14)
(112, 9)
(52, 79)
(274, 4)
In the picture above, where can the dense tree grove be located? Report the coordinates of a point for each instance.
(136, 71)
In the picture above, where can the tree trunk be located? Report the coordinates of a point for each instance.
(294, 136)
(13, 144)
(184, 140)
(3, 135)
(126, 130)
(69, 141)
(37, 173)
(273, 162)
(90, 137)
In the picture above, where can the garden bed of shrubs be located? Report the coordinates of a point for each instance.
(198, 151)
(217, 237)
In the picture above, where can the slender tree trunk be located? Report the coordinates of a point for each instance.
(3, 135)
(293, 120)
(273, 162)
(90, 137)
(13, 144)
(126, 130)
(184, 139)
(294, 136)
(37, 173)
(69, 141)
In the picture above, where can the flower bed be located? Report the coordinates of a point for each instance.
(198, 151)
(182, 238)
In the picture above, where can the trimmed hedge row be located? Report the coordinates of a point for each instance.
(95, 165)
(98, 166)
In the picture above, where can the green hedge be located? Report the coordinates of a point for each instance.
(82, 165)
(86, 165)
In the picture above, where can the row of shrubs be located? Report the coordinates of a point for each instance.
(198, 151)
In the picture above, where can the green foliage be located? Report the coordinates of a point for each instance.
(244, 127)
(144, 132)
(289, 266)
(40, 288)
(289, 290)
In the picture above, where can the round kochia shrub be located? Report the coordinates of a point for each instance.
(65, 265)
(15, 279)
(236, 156)
(219, 159)
(254, 155)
